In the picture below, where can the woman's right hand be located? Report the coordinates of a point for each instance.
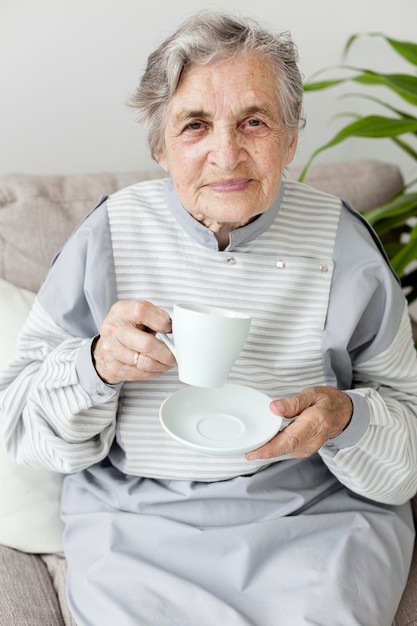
(127, 348)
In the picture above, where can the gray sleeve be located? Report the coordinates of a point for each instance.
(365, 311)
(79, 291)
(58, 412)
(366, 302)
(80, 287)
(368, 352)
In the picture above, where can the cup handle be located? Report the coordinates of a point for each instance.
(168, 342)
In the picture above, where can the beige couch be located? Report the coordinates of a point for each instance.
(37, 213)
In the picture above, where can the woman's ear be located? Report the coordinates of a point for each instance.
(292, 147)
(160, 158)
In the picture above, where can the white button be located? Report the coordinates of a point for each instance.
(99, 392)
(323, 268)
(281, 265)
(329, 445)
(231, 260)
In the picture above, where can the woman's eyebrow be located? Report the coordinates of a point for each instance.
(186, 114)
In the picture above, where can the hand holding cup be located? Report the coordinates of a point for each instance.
(206, 342)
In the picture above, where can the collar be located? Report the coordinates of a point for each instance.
(205, 236)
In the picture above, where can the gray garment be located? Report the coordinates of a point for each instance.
(288, 546)
(87, 290)
(89, 285)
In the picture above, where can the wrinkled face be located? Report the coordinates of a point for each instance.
(225, 144)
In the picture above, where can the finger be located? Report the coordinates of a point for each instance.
(113, 368)
(127, 349)
(145, 320)
(280, 445)
(126, 316)
(322, 413)
(145, 353)
(148, 316)
(130, 328)
(147, 345)
(291, 406)
(143, 363)
(302, 438)
(148, 367)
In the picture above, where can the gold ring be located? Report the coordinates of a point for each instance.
(135, 359)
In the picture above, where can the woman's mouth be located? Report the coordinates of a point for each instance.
(224, 186)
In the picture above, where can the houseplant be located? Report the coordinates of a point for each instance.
(395, 222)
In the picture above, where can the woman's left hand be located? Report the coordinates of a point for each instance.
(321, 414)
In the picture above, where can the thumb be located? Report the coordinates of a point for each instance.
(291, 406)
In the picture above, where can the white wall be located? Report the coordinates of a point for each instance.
(67, 67)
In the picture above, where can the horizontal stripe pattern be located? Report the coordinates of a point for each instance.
(285, 294)
(393, 406)
(50, 421)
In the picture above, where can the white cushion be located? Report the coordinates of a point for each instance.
(29, 499)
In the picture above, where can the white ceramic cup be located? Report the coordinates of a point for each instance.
(206, 342)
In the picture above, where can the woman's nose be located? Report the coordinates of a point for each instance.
(226, 150)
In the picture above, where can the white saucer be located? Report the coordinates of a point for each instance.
(226, 421)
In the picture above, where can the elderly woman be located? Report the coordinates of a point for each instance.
(314, 527)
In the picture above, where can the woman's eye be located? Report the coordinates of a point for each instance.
(255, 127)
(194, 126)
(255, 122)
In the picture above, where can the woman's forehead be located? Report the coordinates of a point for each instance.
(244, 82)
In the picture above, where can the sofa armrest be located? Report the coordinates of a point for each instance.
(27, 595)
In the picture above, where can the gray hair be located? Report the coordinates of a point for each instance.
(205, 37)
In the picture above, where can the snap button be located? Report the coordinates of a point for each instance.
(231, 260)
(281, 265)
(323, 268)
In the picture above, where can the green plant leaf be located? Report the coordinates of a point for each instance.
(406, 49)
(377, 126)
(410, 184)
(402, 114)
(404, 85)
(351, 41)
(406, 147)
(407, 254)
(395, 221)
(402, 207)
(410, 279)
(371, 126)
(382, 103)
(323, 84)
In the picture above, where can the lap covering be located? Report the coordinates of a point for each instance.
(288, 546)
